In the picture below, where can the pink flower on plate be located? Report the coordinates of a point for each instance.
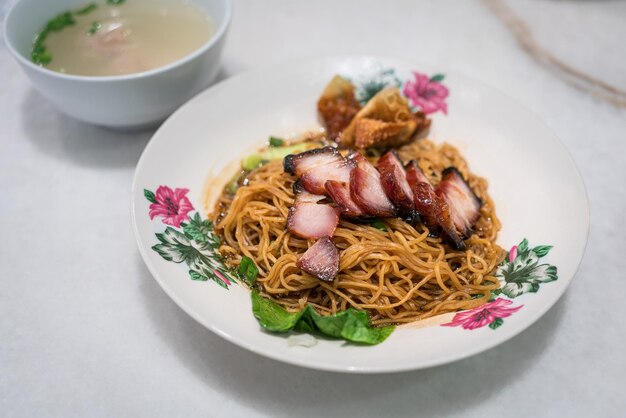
(222, 277)
(513, 254)
(172, 205)
(488, 314)
(427, 93)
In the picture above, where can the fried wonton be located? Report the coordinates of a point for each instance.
(338, 106)
(374, 132)
(385, 121)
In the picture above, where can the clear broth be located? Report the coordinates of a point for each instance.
(135, 36)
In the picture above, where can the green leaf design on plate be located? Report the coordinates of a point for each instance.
(201, 230)
(197, 276)
(149, 195)
(200, 256)
(437, 78)
(523, 246)
(542, 250)
(369, 87)
(496, 323)
(524, 274)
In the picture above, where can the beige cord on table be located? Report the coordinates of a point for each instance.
(578, 79)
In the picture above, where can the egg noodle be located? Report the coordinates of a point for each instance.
(399, 275)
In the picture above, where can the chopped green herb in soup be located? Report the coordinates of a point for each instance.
(116, 37)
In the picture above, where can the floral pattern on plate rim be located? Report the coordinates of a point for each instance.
(191, 239)
(188, 239)
(519, 273)
(425, 93)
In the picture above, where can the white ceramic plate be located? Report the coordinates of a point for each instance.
(538, 191)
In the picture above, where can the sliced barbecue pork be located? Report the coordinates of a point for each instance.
(339, 192)
(425, 198)
(394, 182)
(309, 219)
(366, 189)
(445, 221)
(321, 260)
(463, 203)
(316, 166)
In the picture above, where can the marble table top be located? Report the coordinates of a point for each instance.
(86, 331)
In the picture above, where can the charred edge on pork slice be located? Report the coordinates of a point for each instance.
(463, 202)
(451, 235)
(297, 187)
(337, 169)
(291, 161)
(394, 181)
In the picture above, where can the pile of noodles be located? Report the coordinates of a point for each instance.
(399, 276)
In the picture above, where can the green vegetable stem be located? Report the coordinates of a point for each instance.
(276, 142)
(272, 153)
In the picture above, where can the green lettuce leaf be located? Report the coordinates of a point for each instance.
(248, 271)
(271, 315)
(350, 325)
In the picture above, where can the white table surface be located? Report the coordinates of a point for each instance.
(86, 331)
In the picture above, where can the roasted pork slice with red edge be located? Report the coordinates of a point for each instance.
(463, 203)
(303, 196)
(321, 260)
(315, 179)
(316, 166)
(366, 189)
(427, 205)
(299, 164)
(414, 174)
(395, 184)
(424, 197)
(435, 214)
(309, 219)
(454, 239)
(339, 192)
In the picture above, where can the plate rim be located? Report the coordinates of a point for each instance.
(370, 369)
